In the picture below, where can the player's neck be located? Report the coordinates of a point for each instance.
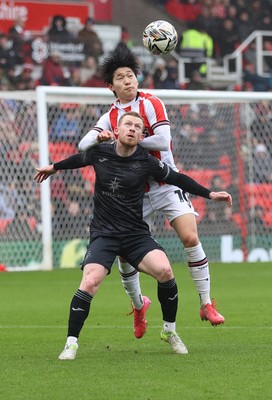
(123, 150)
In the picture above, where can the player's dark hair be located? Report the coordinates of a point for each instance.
(120, 57)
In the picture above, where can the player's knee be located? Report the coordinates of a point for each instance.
(190, 240)
(165, 274)
(90, 283)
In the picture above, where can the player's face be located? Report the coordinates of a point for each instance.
(124, 84)
(130, 131)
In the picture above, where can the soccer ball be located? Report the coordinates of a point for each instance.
(160, 37)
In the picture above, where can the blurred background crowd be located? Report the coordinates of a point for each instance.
(216, 27)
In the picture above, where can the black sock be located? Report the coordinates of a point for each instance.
(79, 311)
(168, 297)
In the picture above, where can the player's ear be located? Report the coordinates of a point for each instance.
(116, 131)
(110, 86)
(142, 137)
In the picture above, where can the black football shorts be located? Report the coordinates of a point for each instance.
(104, 249)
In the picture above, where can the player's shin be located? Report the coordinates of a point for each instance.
(168, 298)
(79, 311)
(131, 283)
(199, 270)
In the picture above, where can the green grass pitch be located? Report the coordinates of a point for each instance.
(232, 361)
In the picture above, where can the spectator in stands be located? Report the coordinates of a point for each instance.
(232, 13)
(88, 68)
(21, 38)
(148, 81)
(91, 71)
(207, 20)
(171, 81)
(93, 45)
(256, 221)
(53, 73)
(214, 222)
(260, 83)
(74, 77)
(195, 45)
(191, 149)
(262, 165)
(196, 81)
(24, 81)
(257, 12)
(22, 222)
(58, 31)
(64, 216)
(126, 41)
(227, 37)
(8, 57)
(6, 210)
(66, 126)
(159, 73)
(213, 150)
(245, 25)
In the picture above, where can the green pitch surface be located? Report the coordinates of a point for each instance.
(232, 361)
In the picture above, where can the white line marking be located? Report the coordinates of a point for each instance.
(130, 327)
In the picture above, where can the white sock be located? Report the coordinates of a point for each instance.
(169, 326)
(71, 340)
(131, 282)
(199, 270)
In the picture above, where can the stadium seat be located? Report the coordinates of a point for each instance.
(259, 194)
(61, 150)
(3, 225)
(199, 204)
(88, 174)
(268, 218)
(204, 176)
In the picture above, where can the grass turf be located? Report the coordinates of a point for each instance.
(232, 361)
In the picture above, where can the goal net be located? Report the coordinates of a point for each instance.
(221, 139)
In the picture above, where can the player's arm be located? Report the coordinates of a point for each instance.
(159, 141)
(191, 186)
(184, 182)
(158, 120)
(101, 132)
(94, 137)
(78, 160)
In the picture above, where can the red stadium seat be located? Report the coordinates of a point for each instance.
(268, 218)
(61, 150)
(3, 225)
(199, 204)
(204, 176)
(259, 194)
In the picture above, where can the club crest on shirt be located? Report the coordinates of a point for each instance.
(135, 166)
(114, 185)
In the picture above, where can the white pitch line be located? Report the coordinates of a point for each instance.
(129, 327)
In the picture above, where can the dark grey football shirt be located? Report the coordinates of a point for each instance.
(120, 186)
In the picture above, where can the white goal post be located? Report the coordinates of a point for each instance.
(221, 139)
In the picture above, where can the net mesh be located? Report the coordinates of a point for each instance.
(225, 145)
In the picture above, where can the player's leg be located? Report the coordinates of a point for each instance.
(177, 208)
(186, 228)
(130, 278)
(97, 263)
(93, 275)
(156, 264)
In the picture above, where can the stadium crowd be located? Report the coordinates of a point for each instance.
(226, 22)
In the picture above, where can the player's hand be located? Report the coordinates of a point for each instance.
(44, 173)
(105, 136)
(221, 196)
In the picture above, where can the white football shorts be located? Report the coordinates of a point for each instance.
(170, 200)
